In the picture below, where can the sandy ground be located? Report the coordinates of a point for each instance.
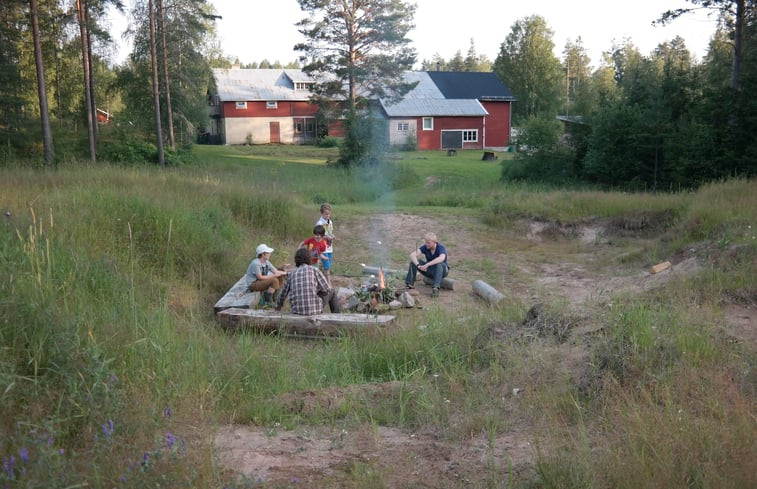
(577, 268)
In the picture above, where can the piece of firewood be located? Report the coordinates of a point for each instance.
(660, 267)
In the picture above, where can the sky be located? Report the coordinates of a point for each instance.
(254, 30)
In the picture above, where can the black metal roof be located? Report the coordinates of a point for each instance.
(470, 85)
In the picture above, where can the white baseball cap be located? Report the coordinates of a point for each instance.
(263, 248)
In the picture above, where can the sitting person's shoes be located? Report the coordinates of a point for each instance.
(266, 300)
(409, 286)
(435, 292)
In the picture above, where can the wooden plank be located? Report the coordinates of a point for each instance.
(238, 296)
(447, 283)
(489, 293)
(327, 324)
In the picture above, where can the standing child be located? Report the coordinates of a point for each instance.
(328, 226)
(316, 245)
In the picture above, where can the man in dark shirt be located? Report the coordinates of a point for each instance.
(307, 288)
(434, 266)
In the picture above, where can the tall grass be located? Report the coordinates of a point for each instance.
(113, 371)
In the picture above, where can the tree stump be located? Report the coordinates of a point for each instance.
(487, 292)
(489, 156)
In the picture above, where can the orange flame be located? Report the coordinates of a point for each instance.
(382, 284)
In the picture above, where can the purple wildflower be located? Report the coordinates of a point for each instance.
(295, 480)
(9, 465)
(108, 429)
(170, 440)
(167, 412)
(24, 454)
(145, 459)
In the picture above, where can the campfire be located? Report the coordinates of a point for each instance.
(376, 290)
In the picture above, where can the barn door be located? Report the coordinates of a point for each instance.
(275, 132)
(452, 139)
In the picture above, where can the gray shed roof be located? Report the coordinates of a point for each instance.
(250, 85)
(426, 100)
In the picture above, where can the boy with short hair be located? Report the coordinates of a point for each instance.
(328, 226)
(316, 246)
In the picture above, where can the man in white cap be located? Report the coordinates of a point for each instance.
(262, 276)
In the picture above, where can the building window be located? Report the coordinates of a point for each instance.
(470, 136)
(303, 85)
(310, 124)
(428, 123)
(241, 105)
(403, 127)
(271, 105)
(298, 127)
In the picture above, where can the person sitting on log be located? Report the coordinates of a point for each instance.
(307, 288)
(434, 266)
(263, 276)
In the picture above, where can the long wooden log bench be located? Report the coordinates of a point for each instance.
(326, 324)
(237, 309)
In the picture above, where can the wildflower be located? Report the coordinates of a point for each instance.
(167, 412)
(170, 440)
(9, 465)
(145, 459)
(108, 429)
(295, 480)
(24, 454)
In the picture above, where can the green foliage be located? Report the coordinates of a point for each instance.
(541, 157)
(530, 69)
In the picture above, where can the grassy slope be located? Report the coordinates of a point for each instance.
(109, 351)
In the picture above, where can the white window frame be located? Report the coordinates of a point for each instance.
(403, 127)
(271, 104)
(428, 123)
(240, 105)
(470, 135)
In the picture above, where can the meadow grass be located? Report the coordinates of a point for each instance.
(113, 371)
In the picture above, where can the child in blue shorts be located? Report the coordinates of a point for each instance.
(328, 226)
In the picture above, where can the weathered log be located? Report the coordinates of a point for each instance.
(447, 283)
(660, 267)
(487, 292)
(238, 296)
(369, 270)
(327, 324)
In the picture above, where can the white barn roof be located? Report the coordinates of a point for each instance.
(251, 85)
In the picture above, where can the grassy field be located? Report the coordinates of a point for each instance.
(114, 372)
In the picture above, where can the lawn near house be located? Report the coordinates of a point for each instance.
(590, 364)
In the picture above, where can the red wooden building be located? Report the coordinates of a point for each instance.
(445, 110)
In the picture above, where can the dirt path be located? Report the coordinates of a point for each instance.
(577, 269)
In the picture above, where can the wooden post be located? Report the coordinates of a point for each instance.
(447, 283)
(486, 291)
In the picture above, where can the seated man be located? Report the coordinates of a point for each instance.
(435, 265)
(308, 288)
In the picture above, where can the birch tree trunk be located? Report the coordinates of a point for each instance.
(166, 84)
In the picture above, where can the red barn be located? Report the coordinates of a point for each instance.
(445, 110)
